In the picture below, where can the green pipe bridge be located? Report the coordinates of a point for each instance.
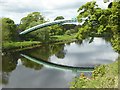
(47, 24)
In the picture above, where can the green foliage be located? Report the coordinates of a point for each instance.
(105, 1)
(8, 29)
(18, 45)
(115, 41)
(70, 26)
(59, 18)
(31, 19)
(102, 22)
(41, 35)
(56, 30)
(68, 32)
(86, 10)
(104, 76)
(63, 37)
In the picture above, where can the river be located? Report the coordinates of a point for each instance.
(20, 72)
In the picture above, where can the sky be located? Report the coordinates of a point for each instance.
(50, 9)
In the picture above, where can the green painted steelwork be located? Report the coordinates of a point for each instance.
(47, 24)
(58, 66)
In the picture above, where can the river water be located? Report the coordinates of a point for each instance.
(19, 72)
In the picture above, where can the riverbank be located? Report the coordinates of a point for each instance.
(104, 76)
(58, 39)
(63, 37)
(18, 46)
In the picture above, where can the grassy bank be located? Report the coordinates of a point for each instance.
(104, 76)
(62, 38)
(16, 46)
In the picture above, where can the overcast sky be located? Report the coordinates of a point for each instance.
(17, 9)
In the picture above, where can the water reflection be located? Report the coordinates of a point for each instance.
(29, 64)
(96, 53)
(46, 51)
(20, 72)
(11, 60)
(9, 64)
(57, 66)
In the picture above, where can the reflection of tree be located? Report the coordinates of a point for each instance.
(56, 48)
(9, 63)
(61, 53)
(5, 77)
(68, 43)
(79, 42)
(42, 52)
(45, 51)
(31, 64)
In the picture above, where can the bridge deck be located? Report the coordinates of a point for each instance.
(45, 25)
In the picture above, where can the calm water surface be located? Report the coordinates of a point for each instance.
(19, 72)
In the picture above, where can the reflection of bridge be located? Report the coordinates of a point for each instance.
(58, 66)
(47, 24)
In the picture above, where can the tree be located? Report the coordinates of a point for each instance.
(30, 18)
(57, 29)
(69, 26)
(102, 22)
(33, 19)
(8, 30)
(105, 1)
(59, 18)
